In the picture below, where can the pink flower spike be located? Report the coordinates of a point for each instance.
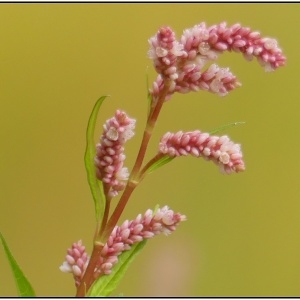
(164, 220)
(110, 152)
(221, 150)
(242, 39)
(200, 45)
(76, 262)
(164, 50)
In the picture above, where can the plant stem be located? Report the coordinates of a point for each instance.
(105, 218)
(131, 185)
(134, 178)
(88, 277)
(107, 226)
(149, 128)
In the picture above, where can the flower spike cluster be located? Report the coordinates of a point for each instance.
(183, 61)
(146, 226)
(110, 152)
(183, 66)
(221, 150)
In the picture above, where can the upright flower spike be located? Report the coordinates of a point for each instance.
(164, 220)
(76, 262)
(164, 52)
(110, 152)
(221, 150)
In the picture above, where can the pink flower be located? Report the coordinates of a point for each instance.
(110, 152)
(164, 52)
(211, 41)
(184, 61)
(220, 150)
(164, 220)
(215, 80)
(76, 262)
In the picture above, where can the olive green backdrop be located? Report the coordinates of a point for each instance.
(242, 234)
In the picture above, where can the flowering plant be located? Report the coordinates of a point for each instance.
(185, 65)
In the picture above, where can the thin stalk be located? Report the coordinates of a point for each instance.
(88, 278)
(131, 185)
(149, 127)
(104, 220)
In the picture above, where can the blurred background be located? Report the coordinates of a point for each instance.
(242, 234)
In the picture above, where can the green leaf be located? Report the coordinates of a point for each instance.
(216, 130)
(106, 284)
(96, 185)
(157, 164)
(23, 285)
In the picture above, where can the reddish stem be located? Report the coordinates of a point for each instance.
(104, 220)
(134, 178)
(106, 229)
(88, 278)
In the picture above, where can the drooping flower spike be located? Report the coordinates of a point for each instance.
(211, 41)
(146, 226)
(221, 150)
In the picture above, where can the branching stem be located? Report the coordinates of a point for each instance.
(107, 226)
(134, 178)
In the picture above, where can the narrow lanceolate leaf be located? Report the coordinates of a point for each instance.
(216, 130)
(106, 284)
(157, 164)
(96, 186)
(23, 285)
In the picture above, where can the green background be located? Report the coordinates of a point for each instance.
(242, 234)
